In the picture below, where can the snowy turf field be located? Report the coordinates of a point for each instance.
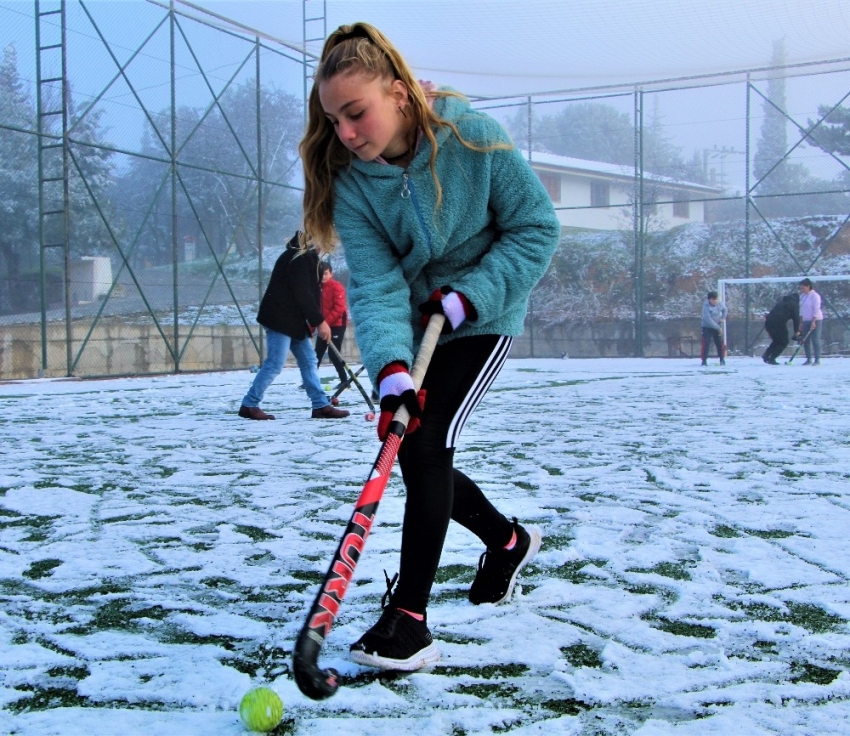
(158, 555)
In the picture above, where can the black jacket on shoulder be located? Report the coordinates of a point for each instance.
(293, 298)
(787, 308)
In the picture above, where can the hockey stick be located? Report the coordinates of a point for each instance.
(797, 348)
(342, 385)
(352, 376)
(313, 681)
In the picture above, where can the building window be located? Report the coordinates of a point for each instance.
(552, 182)
(600, 194)
(681, 205)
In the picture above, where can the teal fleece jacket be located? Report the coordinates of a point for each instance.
(491, 238)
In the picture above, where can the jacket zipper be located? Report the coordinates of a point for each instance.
(408, 191)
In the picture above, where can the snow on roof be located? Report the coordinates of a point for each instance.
(602, 168)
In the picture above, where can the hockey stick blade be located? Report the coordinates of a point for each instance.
(799, 345)
(343, 385)
(352, 376)
(317, 683)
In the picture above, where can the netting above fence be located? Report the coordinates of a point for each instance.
(137, 231)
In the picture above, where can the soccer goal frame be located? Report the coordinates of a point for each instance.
(721, 285)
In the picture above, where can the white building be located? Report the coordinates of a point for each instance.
(599, 196)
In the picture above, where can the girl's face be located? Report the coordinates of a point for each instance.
(366, 114)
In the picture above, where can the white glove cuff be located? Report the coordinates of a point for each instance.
(396, 384)
(453, 309)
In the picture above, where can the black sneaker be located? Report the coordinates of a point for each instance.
(498, 569)
(397, 642)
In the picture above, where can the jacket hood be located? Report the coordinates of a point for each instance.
(293, 243)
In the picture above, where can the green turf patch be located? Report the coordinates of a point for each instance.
(41, 569)
(770, 533)
(254, 532)
(454, 573)
(567, 707)
(581, 655)
(47, 698)
(487, 672)
(725, 532)
(557, 541)
(674, 570)
(572, 570)
(487, 690)
(810, 617)
(460, 638)
(683, 628)
(806, 672)
(263, 662)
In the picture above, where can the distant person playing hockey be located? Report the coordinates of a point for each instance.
(713, 313)
(811, 316)
(335, 313)
(776, 325)
(288, 309)
(438, 213)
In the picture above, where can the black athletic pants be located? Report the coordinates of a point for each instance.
(709, 335)
(337, 333)
(460, 373)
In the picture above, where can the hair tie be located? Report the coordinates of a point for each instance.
(357, 32)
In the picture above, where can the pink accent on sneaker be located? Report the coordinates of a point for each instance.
(512, 543)
(417, 616)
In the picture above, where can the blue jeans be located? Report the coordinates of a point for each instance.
(277, 346)
(813, 342)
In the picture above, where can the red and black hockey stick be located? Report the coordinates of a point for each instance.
(313, 681)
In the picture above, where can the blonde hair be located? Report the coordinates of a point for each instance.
(362, 48)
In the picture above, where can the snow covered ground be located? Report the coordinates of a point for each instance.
(158, 555)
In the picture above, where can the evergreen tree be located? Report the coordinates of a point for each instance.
(585, 130)
(833, 133)
(18, 176)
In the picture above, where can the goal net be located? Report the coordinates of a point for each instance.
(758, 296)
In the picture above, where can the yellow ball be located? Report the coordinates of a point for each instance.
(261, 709)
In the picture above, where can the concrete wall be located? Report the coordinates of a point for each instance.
(116, 349)
(121, 349)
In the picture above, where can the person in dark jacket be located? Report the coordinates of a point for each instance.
(335, 313)
(776, 325)
(290, 311)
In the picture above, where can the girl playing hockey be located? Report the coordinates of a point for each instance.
(437, 212)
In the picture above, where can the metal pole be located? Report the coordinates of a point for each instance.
(175, 281)
(747, 347)
(638, 221)
(260, 177)
(66, 192)
(531, 296)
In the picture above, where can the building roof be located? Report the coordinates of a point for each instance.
(582, 166)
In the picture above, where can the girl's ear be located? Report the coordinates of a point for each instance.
(399, 93)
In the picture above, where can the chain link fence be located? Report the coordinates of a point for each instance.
(149, 177)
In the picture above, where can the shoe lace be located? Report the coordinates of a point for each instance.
(386, 598)
(496, 563)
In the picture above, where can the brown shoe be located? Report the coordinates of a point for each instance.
(328, 412)
(253, 412)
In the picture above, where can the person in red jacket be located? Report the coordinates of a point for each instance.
(335, 312)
